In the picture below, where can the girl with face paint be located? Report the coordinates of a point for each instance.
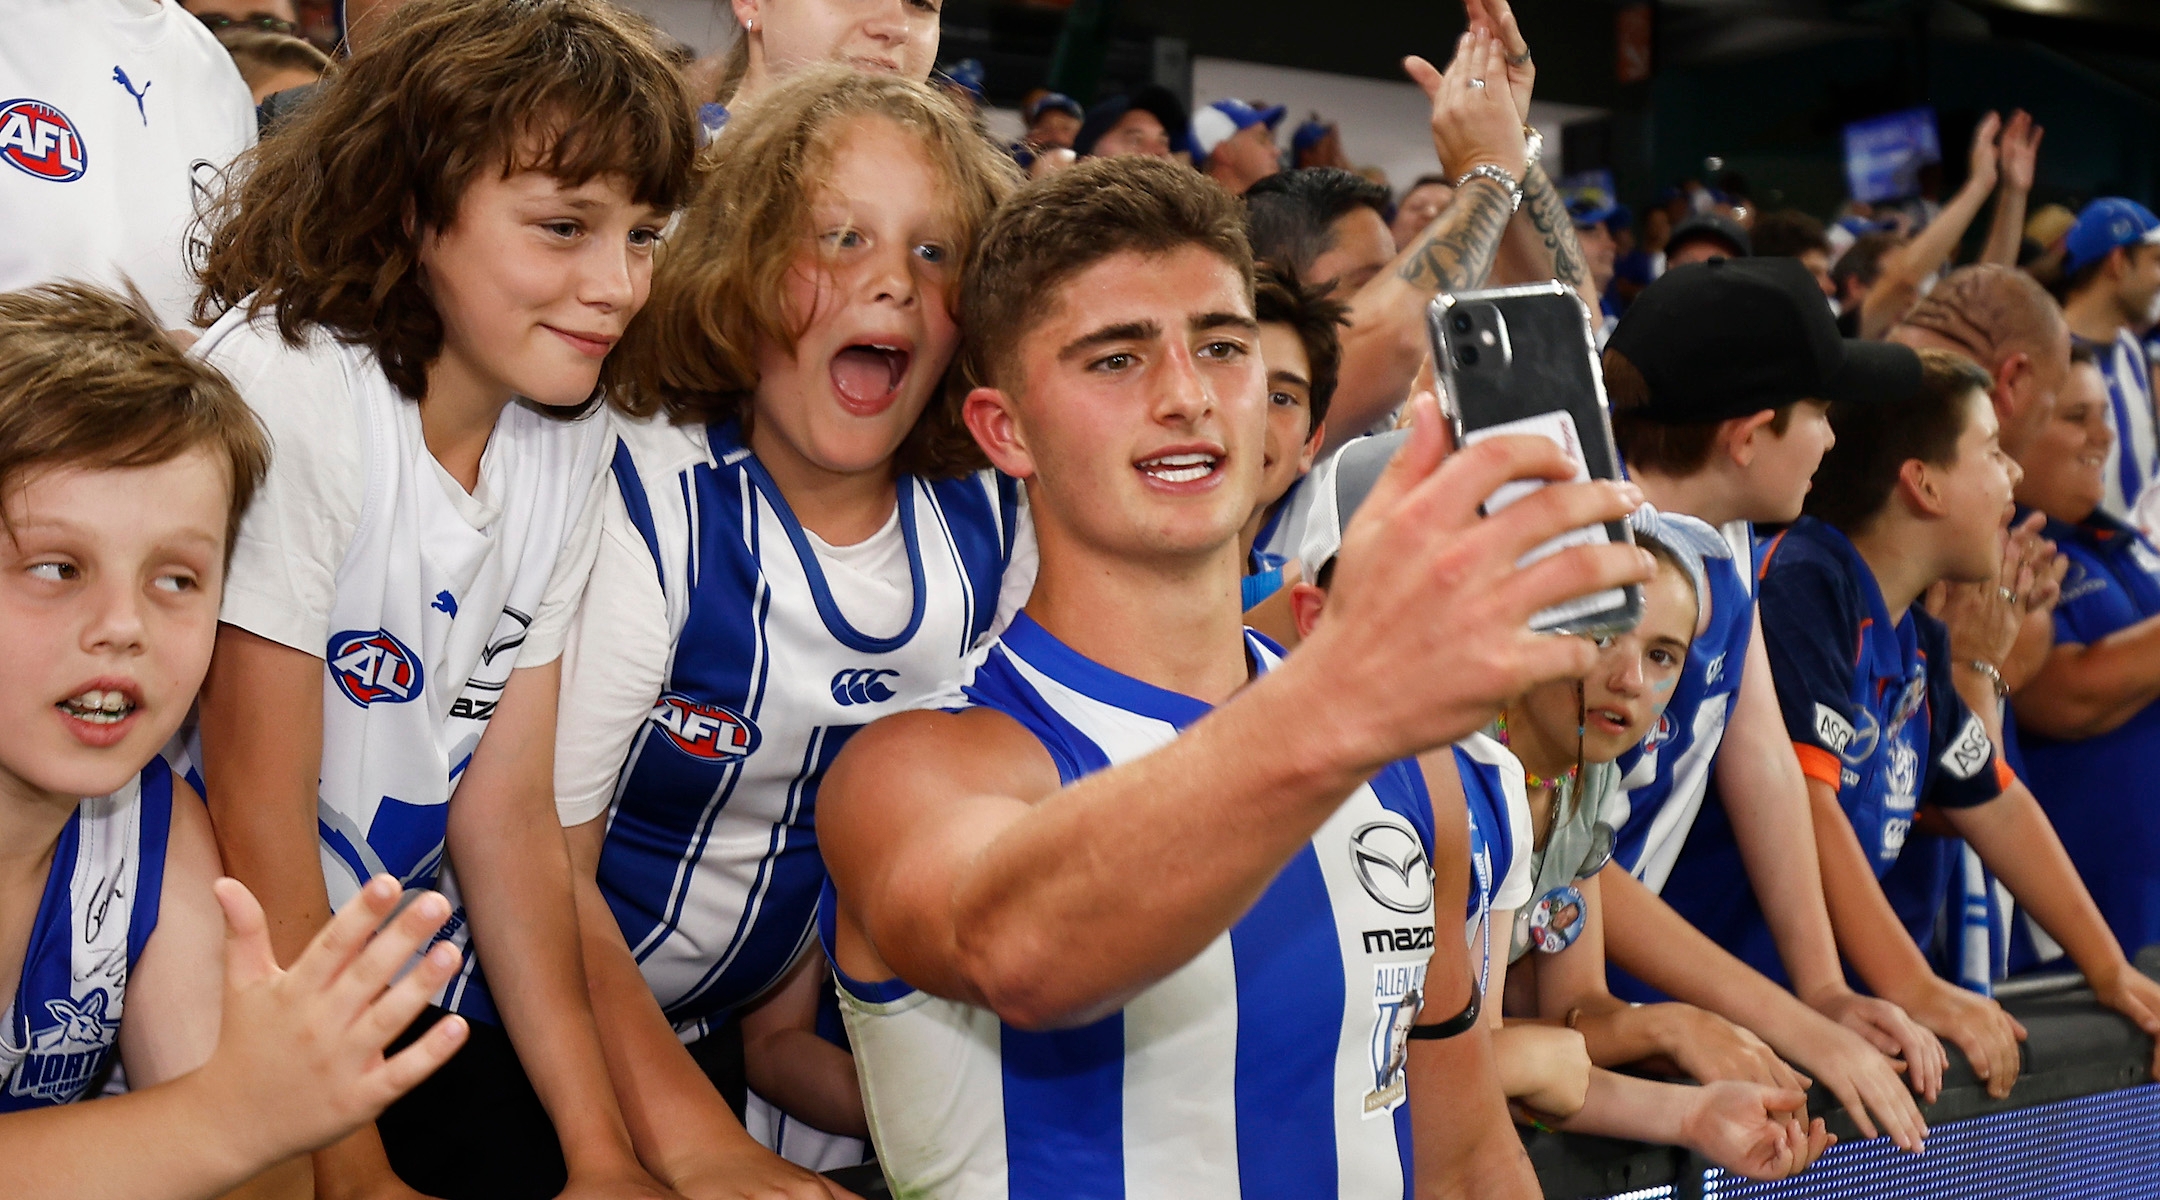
(1566, 735)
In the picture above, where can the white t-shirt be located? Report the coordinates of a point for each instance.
(117, 119)
(286, 557)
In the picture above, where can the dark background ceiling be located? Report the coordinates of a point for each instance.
(1765, 85)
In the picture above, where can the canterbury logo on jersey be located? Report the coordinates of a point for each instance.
(707, 731)
(863, 686)
(373, 667)
(62, 1058)
(39, 140)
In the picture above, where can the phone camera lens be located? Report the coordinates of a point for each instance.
(1461, 322)
(1466, 355)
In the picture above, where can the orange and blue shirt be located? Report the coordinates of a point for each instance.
(1873, 714)
(2097, 791)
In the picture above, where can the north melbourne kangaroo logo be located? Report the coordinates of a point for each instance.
(63, 1057)
(120, 77)
(864, 685)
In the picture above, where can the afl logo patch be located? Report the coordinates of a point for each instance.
(706, 731)
(39, 140)
(1390, 863)
(372, 667)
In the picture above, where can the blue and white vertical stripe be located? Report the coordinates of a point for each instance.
(711, 862)
(1270, 1065)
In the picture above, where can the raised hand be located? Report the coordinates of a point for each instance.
(1756, 1131)
(299, 1060)
(1986, 158)
(1429, 617)
(1495, 19)
(2020, 151)
(1473, 121)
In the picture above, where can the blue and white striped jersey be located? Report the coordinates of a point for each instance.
(711, 862)
(1269, 1065)
(1665, 779)
(100, 904)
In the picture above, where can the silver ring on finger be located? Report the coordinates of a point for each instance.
(1519, 60)
(2008, 596)
(1477, 83)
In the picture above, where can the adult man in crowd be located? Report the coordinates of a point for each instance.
(117, 120)
(1998, 317)
(1150, 122)
(1026, 1017)
(1593, 213)
(1422, 203)
(1705, 236)
(1327, 224)
(1235, 143)
(1053, 119)
(1857, 272)
(1790, 233)
(2111, 289)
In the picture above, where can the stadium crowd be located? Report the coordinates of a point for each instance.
(582, 621)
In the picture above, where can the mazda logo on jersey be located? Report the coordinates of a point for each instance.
(705, 731)
(865, 685)
(1390, 862)
(372, 667)
(39, 140)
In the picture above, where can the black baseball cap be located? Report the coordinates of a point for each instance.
(1734, 336)
(1153, 98)
(1711, 226)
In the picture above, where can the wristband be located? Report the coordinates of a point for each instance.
(1460, 1023)
(1498, 175)
(1993, 675)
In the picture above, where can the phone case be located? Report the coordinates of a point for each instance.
(1524, 360)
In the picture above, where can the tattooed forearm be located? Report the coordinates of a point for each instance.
(1455, 253)
(1549, 216)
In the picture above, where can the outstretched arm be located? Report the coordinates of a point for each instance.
(2020, 157)
(1650, 941)
(1908, 266)
(1385, 339)
(298, 1063)
(1767, 799)
(962, 867)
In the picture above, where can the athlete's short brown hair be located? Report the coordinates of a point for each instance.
(719, 286)
(326, 220)
(1063, 223)
(88, 379)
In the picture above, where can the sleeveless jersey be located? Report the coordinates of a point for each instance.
(95, 917)
(1269, 1065)
(2133, 457)
(1500, 839)
(426, 626)
(1664, 780)
(711, 862)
